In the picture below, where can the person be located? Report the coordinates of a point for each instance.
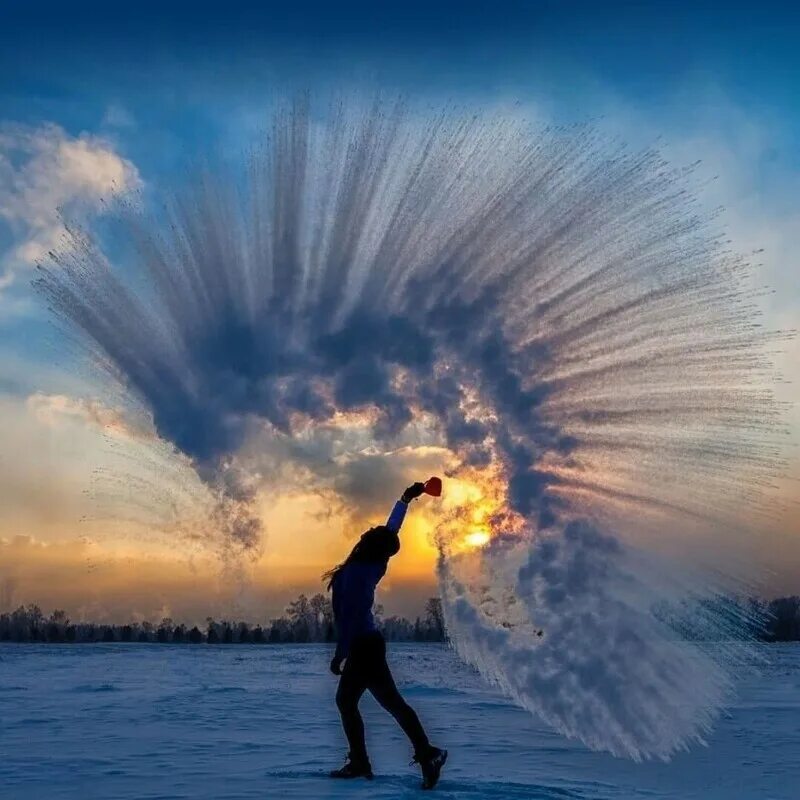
(363, 650)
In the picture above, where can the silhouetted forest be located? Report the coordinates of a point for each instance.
(310, 619)
(306, 619)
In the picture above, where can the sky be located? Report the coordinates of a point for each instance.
(102, 98)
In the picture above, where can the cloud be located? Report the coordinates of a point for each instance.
(744, 173)
(527, 293)
(44, 173)
(745, 167)
(54, 409)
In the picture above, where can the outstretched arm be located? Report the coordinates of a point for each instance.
(398, 514)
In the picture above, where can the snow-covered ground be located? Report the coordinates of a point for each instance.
(159, 721)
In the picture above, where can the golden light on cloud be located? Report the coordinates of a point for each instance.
(475, 509)
(123, 530)
(477, 538)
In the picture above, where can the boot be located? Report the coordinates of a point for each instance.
(354, 768)
(431, 763)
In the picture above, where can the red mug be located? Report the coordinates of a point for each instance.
(433, 487)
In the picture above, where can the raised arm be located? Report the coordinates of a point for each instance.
(398, 514)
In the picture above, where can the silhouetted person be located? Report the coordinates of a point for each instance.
(363, 650)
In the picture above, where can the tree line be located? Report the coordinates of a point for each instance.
(306, 619)
(310, 619)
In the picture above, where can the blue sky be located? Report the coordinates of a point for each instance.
(164, 81)
(167, 58)
(131, 93)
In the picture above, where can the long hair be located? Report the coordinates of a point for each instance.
(376, 545)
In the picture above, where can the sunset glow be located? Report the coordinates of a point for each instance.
(477, 538)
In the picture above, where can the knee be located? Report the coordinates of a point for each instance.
(403, 709)
(397, 707)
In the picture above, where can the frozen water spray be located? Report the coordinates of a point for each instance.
(558, 306)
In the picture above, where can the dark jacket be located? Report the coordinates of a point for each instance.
(354, 590)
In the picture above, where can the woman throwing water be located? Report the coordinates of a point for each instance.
(363, 650)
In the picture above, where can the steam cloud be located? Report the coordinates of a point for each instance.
(557, 307)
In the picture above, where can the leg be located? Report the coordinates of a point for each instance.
(382, 686)
(351, 687)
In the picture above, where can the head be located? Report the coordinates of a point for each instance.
(377, 545)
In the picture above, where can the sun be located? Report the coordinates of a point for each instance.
(477, 538)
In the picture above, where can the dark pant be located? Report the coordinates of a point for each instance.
(366, 668)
